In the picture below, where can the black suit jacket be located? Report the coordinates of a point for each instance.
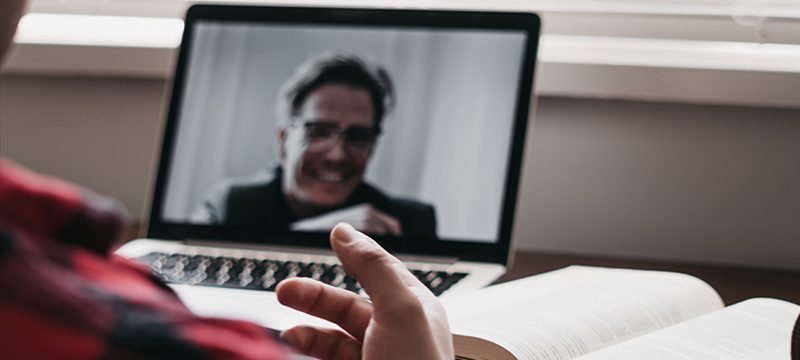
(259, 201)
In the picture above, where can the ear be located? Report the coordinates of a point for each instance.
(280, 135)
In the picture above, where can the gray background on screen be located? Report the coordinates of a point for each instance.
(446, 142)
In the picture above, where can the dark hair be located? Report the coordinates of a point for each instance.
(336, 69)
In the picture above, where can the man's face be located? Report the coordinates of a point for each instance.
(315, 179)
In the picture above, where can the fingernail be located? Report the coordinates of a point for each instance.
(346, 233)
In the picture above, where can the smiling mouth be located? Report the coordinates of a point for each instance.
(331, 176)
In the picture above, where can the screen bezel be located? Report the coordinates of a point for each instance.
(465, 250)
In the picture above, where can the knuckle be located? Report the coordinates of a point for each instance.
(316, 301)
(344, 312)
(333, 350)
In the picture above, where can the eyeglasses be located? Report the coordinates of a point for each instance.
(323, 136)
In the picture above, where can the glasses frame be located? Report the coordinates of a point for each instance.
(337, 133)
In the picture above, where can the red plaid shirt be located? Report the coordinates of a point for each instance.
(65, 295)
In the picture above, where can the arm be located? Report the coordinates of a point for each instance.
(55, 208)
(403, 321)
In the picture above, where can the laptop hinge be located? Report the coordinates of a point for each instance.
(310, 251)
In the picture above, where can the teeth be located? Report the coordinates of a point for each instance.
(330, 176)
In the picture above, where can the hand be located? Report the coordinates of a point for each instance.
(403, 321)
(363, 217)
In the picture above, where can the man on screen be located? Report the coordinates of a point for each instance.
(330, 115)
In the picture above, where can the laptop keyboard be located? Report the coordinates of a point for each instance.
(265, 274)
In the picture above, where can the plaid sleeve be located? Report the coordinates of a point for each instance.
(58, 209)
(61, 301)
(65, 297)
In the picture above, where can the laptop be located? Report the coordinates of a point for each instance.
(283, 121)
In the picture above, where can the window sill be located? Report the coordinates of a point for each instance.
(690, 54)
(554, 78)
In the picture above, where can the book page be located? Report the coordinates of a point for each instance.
(577, 310)
(752, 329)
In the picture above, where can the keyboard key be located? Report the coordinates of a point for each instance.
(257, 274)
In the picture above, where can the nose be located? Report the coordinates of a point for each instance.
(338, 151)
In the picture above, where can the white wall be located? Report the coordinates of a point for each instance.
(665, 181)
(97, 132)
(700, 183)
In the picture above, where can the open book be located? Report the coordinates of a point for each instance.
(598, 313)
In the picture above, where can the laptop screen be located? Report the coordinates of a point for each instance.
(407, 124)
